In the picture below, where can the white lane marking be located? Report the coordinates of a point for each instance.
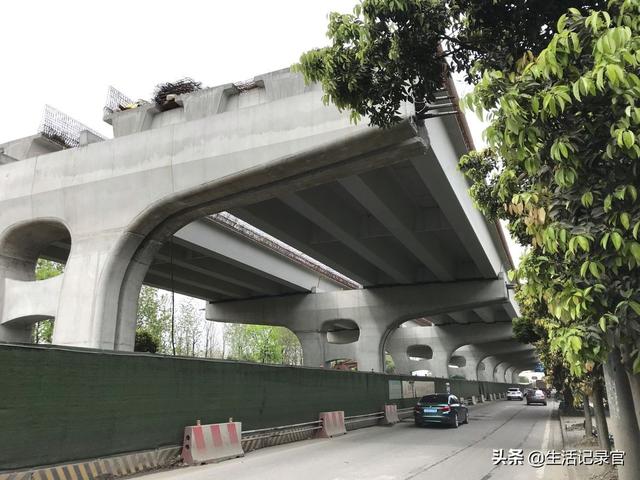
(545, 446)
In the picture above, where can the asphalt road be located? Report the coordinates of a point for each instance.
(404, 452)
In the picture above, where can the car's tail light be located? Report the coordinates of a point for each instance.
(417, 407)
(446, 408)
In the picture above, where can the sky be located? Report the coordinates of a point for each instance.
(66, 53)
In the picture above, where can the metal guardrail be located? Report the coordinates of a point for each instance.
(283, 430)
(280, 430)
(363, 418)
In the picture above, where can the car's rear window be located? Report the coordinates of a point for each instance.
(434, 399)
(514, 389)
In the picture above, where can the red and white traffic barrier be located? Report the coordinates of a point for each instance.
(332, 424)
(212, 443)
(390, 415)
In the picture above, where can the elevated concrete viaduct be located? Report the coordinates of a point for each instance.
(386, 208)
(434, 348)
(119, 200)
(372, 315)
(476, 354)
(497, 365)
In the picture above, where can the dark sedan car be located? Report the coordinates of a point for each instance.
(442, 408)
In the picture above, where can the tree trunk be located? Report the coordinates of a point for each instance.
(567, 395)
(634, 383)
(601, 420)
(626, 433)
(588, 424)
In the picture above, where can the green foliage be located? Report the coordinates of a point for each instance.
(498, 34)
(392, 51)
(48, 269)
(145, 342)
(526, 331)
(154, 318)
(263, 344)
(562, 170)
(389, 364)
(43, 330)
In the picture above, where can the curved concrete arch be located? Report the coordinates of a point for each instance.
(158, 222)
(21, 244)
(476, 354)
(423, 352)
(480, 367)
(443, 341)
(23, 299)
(500, 371)
(500, 363)
(341, 331)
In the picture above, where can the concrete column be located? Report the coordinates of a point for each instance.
(313, 348)
(490, 362)
(318, 351)
(480, 371)
(500, 371)
(79, 321)
(507, 374)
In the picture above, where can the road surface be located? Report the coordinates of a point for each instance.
(404, 452)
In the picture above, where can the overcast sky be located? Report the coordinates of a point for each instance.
(66, 53)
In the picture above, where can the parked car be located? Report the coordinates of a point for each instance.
(536, 396)
(442, 408)
(514, 394)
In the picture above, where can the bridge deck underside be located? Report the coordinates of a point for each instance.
(379, 228)
(190, 270)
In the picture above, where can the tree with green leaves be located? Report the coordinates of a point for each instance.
(388, 52)
(153, 321)
(562, 170)
(145, 342)
(43, 330)
(561, 98)
(263, 344)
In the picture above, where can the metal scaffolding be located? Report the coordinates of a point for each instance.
(61, 128)
(116, 100)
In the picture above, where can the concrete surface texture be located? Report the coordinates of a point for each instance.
(385, 207)
(404, 452)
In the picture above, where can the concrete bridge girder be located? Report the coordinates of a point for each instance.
(121, 199)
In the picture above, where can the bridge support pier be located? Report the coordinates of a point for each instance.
(359, 322)
(436, 347)
(317, 351)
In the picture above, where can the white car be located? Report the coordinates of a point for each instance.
(514, 394)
